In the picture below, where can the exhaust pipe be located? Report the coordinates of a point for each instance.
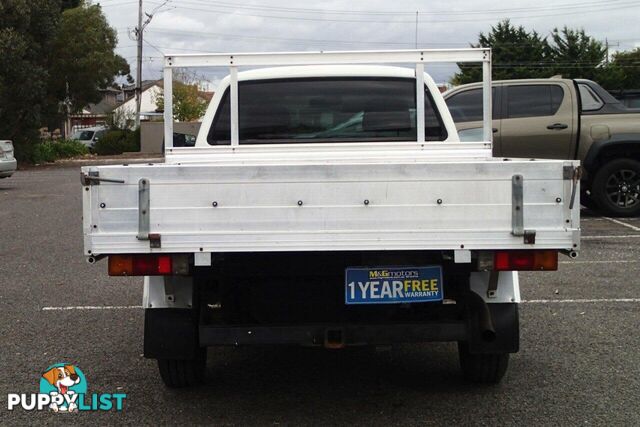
(480, 309)
(93, 259)
(570, 254)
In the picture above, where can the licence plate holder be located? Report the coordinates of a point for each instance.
(393, 285)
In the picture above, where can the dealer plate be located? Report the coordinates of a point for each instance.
(393, 285)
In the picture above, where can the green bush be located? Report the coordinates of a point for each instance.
(118, 142)
(50, 151)
(65, 149)
(43, 153)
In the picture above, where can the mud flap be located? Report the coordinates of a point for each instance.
(507, 327)
(171, 333)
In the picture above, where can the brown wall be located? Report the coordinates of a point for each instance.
(152, 134)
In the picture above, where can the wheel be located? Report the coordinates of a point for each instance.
(587, 201)
(177, 373)
(616, 187)
(482, 368)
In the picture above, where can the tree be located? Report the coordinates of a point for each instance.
(516, 53)
(26, 37)
(44, 44)
(83, 58)
(188, 104)
(623, 72)
(577, 55)
(69, 4)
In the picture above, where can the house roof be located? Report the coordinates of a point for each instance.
(103, 107)
(111, 89)
(146, 84)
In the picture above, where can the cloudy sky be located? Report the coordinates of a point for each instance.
(190, 26)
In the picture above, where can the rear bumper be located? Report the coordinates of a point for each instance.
(7, 167)
(338, 335)
(177, 334)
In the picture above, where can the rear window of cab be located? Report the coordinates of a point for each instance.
(316, 110)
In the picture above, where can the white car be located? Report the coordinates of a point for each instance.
(8, 163)
(89, 136)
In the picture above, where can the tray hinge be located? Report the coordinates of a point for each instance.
(574, 174)
(517, 211)
(93, 178)
(144, 207)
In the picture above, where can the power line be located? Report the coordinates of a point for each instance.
(214, 35)
(238, 36)
(116, 4)
(169, 49)
(154, 47)
(597, 7)
(282, 9)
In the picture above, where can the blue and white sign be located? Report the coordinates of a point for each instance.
(393, 285)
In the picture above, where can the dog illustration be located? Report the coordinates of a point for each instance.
(62, 377)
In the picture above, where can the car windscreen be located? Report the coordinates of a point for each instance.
(326, 110)
(83, 135)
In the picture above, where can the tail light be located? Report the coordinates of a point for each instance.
(147, 265)
(523, 260)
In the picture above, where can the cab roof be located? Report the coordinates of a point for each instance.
(326, 71)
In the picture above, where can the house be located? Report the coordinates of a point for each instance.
(121, 102)
(126, 111)
(95, 114)
(121, 105)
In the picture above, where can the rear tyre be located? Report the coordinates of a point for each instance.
(616, 188)
(178, 373)
(482, 368)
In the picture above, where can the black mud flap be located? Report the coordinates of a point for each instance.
(170, 333)
(507, 327)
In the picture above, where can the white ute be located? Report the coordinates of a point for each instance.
(329, 202)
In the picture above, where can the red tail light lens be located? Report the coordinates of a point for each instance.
(140, 265)
(120, 265)
(523, 260)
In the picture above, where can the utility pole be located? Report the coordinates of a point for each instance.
(139, 32)
(416, 43)
(608, 46)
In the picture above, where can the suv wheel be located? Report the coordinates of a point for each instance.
(616, 187)
(586, 200)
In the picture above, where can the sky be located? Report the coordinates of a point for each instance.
(192, 26)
